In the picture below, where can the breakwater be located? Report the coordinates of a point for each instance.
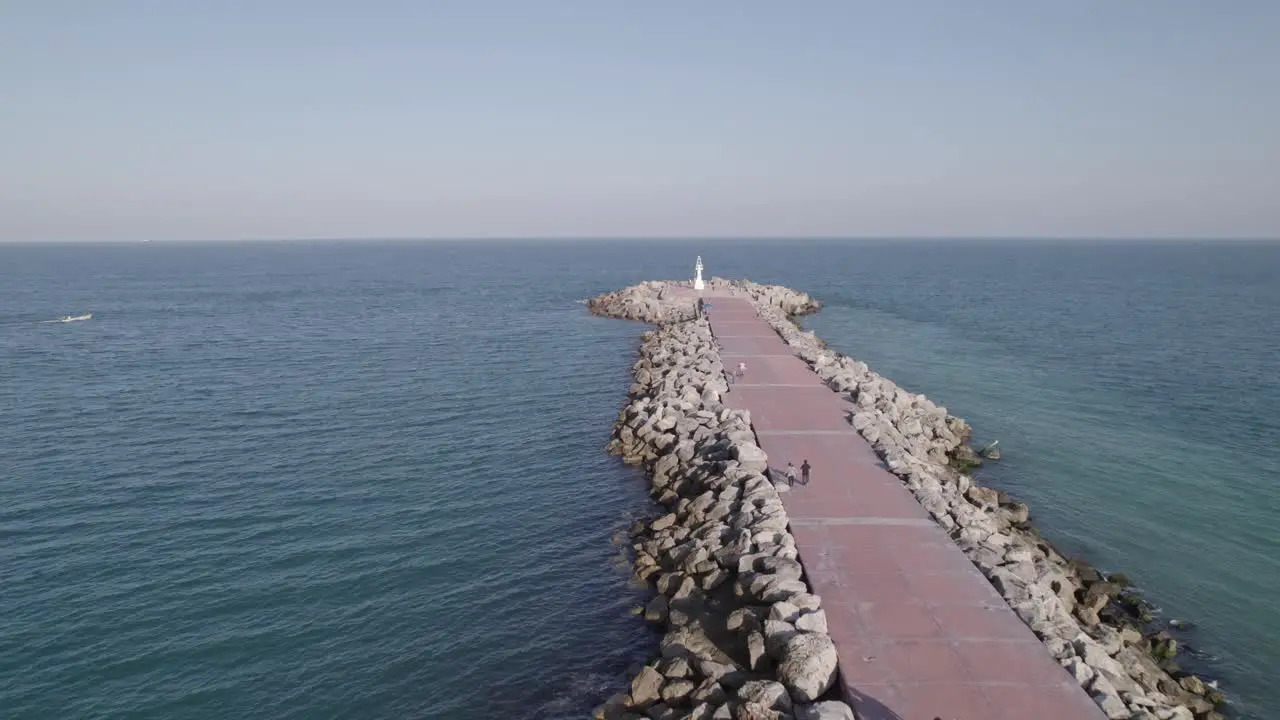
(1091, 622)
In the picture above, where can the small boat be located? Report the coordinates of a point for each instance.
(76, 318)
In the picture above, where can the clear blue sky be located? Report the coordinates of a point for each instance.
(234, 119)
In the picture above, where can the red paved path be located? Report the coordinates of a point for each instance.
(919, 630)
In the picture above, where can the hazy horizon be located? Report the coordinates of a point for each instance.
(671, 239)
(500, 120)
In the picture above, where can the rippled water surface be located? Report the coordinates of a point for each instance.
(351, 480)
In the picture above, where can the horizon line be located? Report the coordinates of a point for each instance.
(665, 238)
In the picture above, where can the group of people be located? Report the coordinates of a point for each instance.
(804, 473)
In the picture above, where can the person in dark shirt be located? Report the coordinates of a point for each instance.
(804, 472)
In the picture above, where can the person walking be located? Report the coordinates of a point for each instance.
(791, 473)
(804, 472)
(742, 370)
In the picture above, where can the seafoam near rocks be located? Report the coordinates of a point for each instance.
(745, 638)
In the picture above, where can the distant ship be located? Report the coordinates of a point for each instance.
(74, 318)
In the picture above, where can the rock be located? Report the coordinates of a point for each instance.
(767, 693)
(646, 688)
(614, 708)
(814, 622)
(744, 619)
(1079, 670)
(675, 668)
(750, 457)
(656, 610)
(1193, 685)
(702, 711)
(773, 588)
(808, 666)
(709, 692)
(663, 522)
(756, 711)
(661, 711)
(806, 602)
(781, 567)
(829, 710)
(1017, 513)
(784, 611)
(776, 635)
(676, 692)
(757, 651)
(691, 643)
(1108, 699)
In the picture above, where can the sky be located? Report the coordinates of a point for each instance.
(160, 120)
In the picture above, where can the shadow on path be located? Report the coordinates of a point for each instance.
(866, 707)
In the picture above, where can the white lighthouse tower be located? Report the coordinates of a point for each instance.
(697, 275)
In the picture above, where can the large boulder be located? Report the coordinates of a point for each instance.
(808, 666)
(750, 457)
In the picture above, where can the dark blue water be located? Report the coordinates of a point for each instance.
(366, 480)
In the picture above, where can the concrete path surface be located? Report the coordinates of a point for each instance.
(921, 633)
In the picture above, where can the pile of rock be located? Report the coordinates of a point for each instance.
(743, 637)
(655, 301)
(778, 297)
(1093, 624)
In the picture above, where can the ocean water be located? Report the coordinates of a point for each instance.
(322, 480)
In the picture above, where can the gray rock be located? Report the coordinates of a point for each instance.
(614, 708)
(1105, 694)
(661, 711)
(784, 611)
(663, 522)
(806, 601)
(656, 610)
(983, 497)
(744, 619)
(646, 688)
(757, 651)
(814, 622)
(710, 692)
(676, 692)
(1079, 670)
(829, 710)
(776, 635)
(773, 588)
(808, 666)
(770, 694)
(780, 567)
(756, 711)
(750, 456)
(675, 668)
(702, 711)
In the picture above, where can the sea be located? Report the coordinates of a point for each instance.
(367, 479)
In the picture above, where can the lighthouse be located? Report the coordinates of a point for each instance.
(697, 275)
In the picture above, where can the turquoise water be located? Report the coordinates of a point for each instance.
(325, 480)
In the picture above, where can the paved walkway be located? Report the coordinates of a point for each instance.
(920, 632)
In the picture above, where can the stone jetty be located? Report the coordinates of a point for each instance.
(892, 585)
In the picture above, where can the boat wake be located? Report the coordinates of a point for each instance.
(72, 318)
